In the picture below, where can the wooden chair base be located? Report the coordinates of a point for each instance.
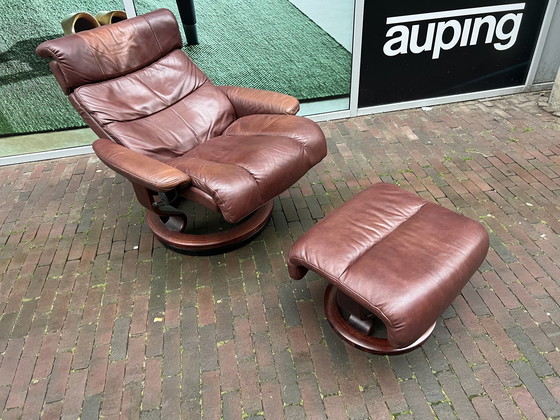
(355, 325)
(170, 233)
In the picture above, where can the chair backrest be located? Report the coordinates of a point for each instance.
(131, 82)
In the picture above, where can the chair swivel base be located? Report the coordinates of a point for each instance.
(210, 243)
(358, 334)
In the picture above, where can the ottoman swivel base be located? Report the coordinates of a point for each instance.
(358, 332)
(393, 257)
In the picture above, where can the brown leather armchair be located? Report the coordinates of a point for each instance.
(176, 136)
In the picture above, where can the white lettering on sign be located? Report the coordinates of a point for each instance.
(438, 32)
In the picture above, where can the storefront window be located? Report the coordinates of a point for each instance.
(299, 47)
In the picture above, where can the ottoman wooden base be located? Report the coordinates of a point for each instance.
(361, 333)
(391, 257)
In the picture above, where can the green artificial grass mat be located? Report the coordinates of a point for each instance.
(267, 45)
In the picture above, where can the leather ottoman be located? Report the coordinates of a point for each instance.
(391, 258)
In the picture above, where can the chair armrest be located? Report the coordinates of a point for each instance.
(247, 101)
(140, 169)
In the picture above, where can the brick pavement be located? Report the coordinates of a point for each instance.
(99, 320)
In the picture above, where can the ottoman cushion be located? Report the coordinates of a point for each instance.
(403, 258)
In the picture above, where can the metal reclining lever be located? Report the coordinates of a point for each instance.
(164, 203)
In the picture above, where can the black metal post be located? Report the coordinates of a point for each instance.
(188, 18)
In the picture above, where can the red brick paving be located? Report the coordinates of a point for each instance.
(97, 319)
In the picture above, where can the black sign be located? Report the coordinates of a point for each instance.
(426, 49)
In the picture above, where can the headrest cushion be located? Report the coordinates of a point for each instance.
(112, 50)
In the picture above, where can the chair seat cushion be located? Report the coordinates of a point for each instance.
(245, 168)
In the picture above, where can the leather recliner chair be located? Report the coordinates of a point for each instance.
(176, 136)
